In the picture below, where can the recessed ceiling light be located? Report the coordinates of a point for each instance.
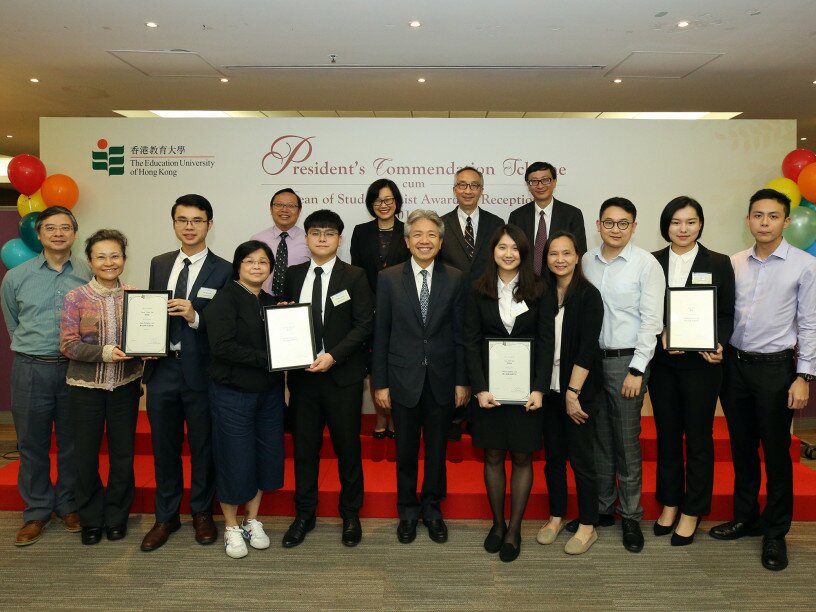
(682, 24)
(802, 138)
(420, 80)
(618, 81)
(414, 24)
(754, 13)
(225, 80)
(151, 24)
(9, 136)
(34, 80)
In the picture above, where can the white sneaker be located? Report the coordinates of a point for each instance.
(234, 544)
(253, 531)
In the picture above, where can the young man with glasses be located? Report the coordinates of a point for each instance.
(632, 286)
(545, 214)
(329, 392)
(32, 295)
(177, 384)
(287, 241)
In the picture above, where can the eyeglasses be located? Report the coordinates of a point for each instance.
(256, 262)
(52, 229)
(282, 206)
(622, 224)
(384, 201)
(116, 258)
(183, 222)
(315, 233)
(463, 186)
(537, 182)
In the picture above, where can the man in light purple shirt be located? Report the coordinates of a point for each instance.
(287, 241)
(764, 381)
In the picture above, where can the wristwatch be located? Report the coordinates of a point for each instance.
(574, 390)
(635, 372)
(806, 377)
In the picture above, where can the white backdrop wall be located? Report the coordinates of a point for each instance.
(239, 163)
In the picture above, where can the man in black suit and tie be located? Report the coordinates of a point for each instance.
(469, 230)
(545, 215)
(330, 390)
(177, 384)
(418, 369)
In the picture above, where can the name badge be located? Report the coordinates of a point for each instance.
(518, 308)
(701, 278)
(206, 293)
(340, 298)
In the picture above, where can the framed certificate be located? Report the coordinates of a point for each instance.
(289, 338)
(510, 369)
(145, 323)
(691, 318)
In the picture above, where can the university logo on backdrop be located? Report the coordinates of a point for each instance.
(108, 159)
(150, 160)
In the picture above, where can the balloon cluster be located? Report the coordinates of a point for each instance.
(37, 191)
(799, 184)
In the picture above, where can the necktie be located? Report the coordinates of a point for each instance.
(424, 297)
(180, 293)
(317, 309)
(540, 240)
(470, 240)
(281, 263)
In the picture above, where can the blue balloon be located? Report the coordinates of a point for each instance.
(29, 234)
(812, 249)
(15, 252)
(809, 204)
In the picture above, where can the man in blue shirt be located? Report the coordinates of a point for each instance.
(32, 295)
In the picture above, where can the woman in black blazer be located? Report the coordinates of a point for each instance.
(508, 301)
(684, 386)
(376, 245)
(575, 388)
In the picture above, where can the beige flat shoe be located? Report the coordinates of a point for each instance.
(547, 535)
(577, 547)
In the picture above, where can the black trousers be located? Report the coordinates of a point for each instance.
(564, 438)
(92, 412)
(431, 420)
(755, 402)
(316, 401)
(684, 402)
(170, 405)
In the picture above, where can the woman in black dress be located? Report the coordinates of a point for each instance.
(376, 245)
(508, 301)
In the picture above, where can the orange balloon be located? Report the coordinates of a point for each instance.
(59, 190)
(807, 182)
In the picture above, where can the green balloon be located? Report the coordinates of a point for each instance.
(802, 229)
(28, 234)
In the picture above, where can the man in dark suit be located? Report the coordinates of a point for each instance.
(330, 390)
(177, 384)
(419, 368)
(545, 215)
(469, 230)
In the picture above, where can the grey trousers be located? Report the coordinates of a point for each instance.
(618, 460)
(39, 400)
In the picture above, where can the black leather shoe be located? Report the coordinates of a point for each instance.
(662, 530)
(734, 530)
(406, 531)
(632, 535)
(352, 531)
(437, 530)
(455, 432)
(774, 554)
(678, 540)
(297, 531)
(604, 520)
(116, 533)
(91, 535)
(495, 538)
(508, 552)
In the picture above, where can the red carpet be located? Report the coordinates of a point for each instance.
(466, 497)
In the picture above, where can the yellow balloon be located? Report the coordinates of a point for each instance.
(788, 187)
(29, 204)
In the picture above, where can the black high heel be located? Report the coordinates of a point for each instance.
(662, 530)
(678, 540)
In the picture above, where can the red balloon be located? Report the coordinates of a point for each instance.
(795, 161)
(59, 190)
(26, 173)
(807, 182)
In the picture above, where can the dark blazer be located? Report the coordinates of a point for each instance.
(482, 320)
(346, 327)
(722, 277)
(195, 351)
(580, 330)
(565, 218)
(365, 249)
(402, 342)
(453, 245)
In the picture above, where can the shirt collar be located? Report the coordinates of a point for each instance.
(780, 252)
(685, 257)
(474, 216)
(276, 231)
(509, 286)
(418, 269)
(547, 208)
(625, 254)
(326, 267)
(42, 261)
(194, 259)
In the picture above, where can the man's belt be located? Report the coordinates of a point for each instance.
(617, 352)
(751, 357)
(46, 358)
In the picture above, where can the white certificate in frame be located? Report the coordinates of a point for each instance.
(691, 318)
(145, 323)
(289, 337)
(510, 369)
